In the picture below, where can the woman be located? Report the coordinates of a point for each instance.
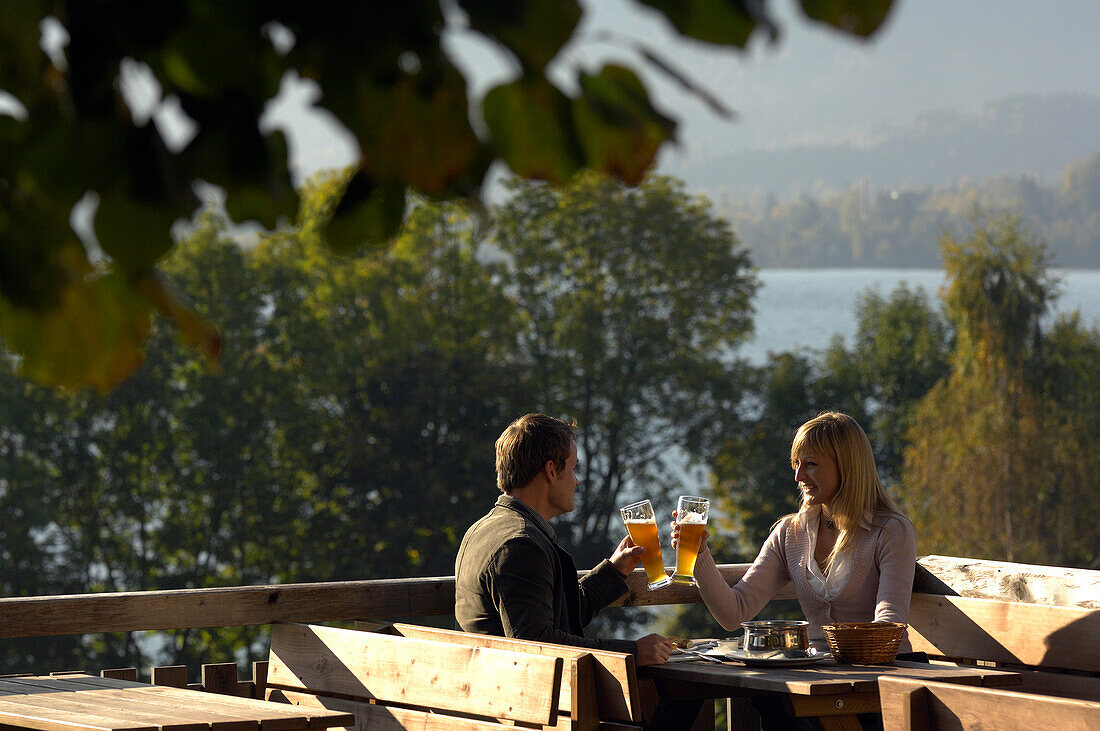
(848, 551)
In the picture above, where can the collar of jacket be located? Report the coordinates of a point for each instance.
(510, 503)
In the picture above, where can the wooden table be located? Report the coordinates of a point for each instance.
(831, 692)
(88, 703)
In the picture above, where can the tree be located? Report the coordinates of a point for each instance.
(901, 351)
(343, 438)
(751, 474)
(384, 74)
(633, 299)
(407, 358)
(998, 449)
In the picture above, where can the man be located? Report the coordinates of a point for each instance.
(512, 578)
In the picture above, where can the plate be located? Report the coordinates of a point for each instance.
(752, 659)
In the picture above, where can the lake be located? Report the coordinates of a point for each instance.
(799, 309)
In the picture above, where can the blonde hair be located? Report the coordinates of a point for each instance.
(860, 493)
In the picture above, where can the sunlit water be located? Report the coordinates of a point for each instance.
(800, 309)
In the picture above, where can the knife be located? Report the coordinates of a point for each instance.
(701, 655)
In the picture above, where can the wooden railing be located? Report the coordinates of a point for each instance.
(383, 599)
(433, 596)
(259, 605)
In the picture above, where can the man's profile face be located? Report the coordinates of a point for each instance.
(563, 488)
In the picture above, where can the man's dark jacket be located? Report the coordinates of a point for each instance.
(513, 580)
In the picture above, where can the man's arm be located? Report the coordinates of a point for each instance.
(523, 592)
(607, 582)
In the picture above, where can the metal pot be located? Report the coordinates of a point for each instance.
(775, 634)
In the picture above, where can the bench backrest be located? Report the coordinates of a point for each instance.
(1050, 637)
(915, 704)
(601, 679)
(398, 682)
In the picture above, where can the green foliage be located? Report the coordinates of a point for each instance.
(901, 350)
(751, 473)
(385, 75)
(998, 462)
(633, 298)
(983, 417)
(349, 431)
(999, 289)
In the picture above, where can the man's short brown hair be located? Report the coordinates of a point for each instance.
(528, 444)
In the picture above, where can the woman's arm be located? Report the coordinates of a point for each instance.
(896, 557)
(731, 606)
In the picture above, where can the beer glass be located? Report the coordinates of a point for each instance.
(641, 524)
(691, 514)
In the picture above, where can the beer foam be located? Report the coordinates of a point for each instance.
(691, 518)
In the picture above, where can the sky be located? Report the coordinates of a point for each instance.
(814, 85)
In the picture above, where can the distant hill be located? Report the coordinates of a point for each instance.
(871, 226)
(1036, 136)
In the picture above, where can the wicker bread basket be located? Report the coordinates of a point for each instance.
(869, 643)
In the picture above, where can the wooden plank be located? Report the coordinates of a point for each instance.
(826, 678)
(584, 710)
(228, 713)
(1064, 685)
(483, 681)
(370, 717)
(220, 678)
(839, 723)
(259, 678)
(173, 676)
(125, 703)
(239, 606)
(58, 718)
(120, 673)
(1013, 582)
(52, 709)
(847, 704)
(269, 715)
(42, 684)
(952, 706)
(224, 607)
(118, 703)
(1008, 632)
(615, 678)
(904, 704)
(639, 594)
(81, 682)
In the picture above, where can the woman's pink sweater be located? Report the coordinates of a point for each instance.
(879, 587)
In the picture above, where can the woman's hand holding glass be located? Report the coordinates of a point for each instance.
(676, 534)
(689, 536)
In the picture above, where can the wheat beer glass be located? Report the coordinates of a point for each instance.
(691, 514)
(641, 524)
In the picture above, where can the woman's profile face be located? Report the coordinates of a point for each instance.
(817, 477)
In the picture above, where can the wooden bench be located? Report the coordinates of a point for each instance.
(393, 682)
(919, 705)
(599, 687)
(1052, 645)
